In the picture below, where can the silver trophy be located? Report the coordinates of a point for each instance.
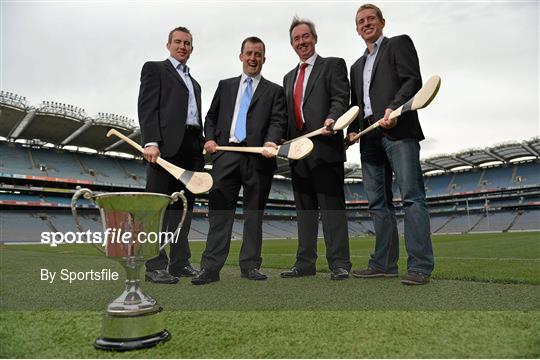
(133, 320)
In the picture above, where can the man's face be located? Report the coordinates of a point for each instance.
(180, 46)
(252, 58)
(368, 25)
(303, 41)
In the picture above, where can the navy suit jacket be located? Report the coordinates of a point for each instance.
(163, 106)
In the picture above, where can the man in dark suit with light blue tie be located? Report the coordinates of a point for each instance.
(169, 109)
(246, 111)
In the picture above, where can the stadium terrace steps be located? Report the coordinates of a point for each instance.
(498, 221)
(527, 220)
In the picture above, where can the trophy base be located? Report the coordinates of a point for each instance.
(131, 344)
(131, 332)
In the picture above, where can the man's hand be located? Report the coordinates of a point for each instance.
(265, 152)
(210, 146)
(328, 127)
(386, 122)
(151, 153)
(349, 139)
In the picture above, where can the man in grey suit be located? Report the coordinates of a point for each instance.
(317, 94)
(169, 108)
(247, 110)
(384, 78)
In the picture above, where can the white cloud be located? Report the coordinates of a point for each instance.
(89, 54)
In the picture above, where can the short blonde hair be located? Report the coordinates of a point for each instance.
(378, 11)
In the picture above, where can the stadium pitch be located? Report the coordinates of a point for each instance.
(483, 302)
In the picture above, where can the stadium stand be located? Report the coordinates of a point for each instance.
(41, 163)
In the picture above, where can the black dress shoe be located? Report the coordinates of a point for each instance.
(254, 274)
(160, 277)
(186, 271)
(339, 274)
(205, 276)
(295, 272)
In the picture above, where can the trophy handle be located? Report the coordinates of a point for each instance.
(174, 198)
(87, 194)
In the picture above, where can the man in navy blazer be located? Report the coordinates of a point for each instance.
(247, 110)
(169, 109)
(383, 79)
(317, 94)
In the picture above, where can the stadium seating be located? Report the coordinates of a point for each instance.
(527, 174)
(496, 221)
(465, 182)
(498, 177)
(17, 160)
(515, 211)
(527, 220)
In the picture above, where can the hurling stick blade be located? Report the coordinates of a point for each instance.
(341, 123)
(346, 119)
(195, 182)
(296, 150)
(422, 98)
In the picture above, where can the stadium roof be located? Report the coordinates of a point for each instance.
(67, 125)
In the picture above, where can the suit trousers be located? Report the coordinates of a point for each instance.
(231, 171)
(402, 157)
(189, 157)
(320, 187)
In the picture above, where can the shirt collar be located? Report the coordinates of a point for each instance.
(377, 45)
(178, 65)
(255, 78)
(310, 61)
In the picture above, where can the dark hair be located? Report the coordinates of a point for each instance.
(297, 21)
(182, 29)
(254, 40)
(378, 11)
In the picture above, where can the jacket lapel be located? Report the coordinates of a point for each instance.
(315, 73)
(170, 68)
(197, 89)
(377, 59)
(261, 88)
(360, 84)
(233, 92)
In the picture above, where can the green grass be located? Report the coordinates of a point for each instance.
(483, 302)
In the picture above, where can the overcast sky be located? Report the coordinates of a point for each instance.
(89, 54)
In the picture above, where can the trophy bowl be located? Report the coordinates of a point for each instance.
(132, 223)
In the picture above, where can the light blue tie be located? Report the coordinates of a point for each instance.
(240, 130)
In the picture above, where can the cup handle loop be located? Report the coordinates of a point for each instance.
(174, 198)
(89, 195)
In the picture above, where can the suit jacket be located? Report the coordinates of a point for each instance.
(394, 80)
(265, 117)
(326, 96)
(163, 106)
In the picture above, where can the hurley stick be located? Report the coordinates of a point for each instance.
(196, 182)
(296, 150)
(420, 100)
(341, 123)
